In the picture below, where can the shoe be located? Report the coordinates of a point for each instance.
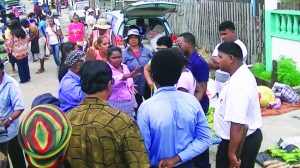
(34, 60)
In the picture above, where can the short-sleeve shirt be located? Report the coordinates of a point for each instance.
(42, 27)
(53, 39)
(122, 89)
(187, 81)
(76, 31)
(199, 68)
(239, 103)
(104, 137)
(10, 101)
(244, 50)
(133, 62)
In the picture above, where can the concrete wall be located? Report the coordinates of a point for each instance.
(287, 48)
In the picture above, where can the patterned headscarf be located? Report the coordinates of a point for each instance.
(44, 135)
(74, 56)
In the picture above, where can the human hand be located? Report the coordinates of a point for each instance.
(151, 85)
(91, 54)
(134, 89)
(166, 163)
(135, 72)
(6, 123)
(234, 161)
(49, 48)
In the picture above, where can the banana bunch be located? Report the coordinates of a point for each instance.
(287, 157)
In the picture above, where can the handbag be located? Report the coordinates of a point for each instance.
(285, 93)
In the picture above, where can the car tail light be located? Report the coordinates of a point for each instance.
(174, 38)
(119, 41)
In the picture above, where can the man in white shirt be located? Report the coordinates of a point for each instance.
(90, 21)
(237, 106)
(227, 33)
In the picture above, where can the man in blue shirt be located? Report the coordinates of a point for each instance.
(69, 89)
(11, 107)
(200, 70)
(172, 122)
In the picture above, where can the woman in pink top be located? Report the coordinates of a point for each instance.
(17, 44)
(99, 49)
(122, 97)
(77, 31)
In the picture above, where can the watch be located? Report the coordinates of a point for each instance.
(10, 119)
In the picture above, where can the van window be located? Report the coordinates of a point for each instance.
(145, 25)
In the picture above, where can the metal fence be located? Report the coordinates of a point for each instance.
(202, 18)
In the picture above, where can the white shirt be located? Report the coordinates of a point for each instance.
(57, 22)
(52, 36)
(187, 81)
(238, 102)
(90, 21)
(238, 42)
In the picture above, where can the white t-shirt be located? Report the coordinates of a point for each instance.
(53, 39)
(57, 22)
(90, 21)
(187, 81)
(244, 50)
(239, 103)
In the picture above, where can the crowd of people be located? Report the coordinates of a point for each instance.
(130, 107)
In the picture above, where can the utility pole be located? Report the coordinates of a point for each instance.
(93, 6)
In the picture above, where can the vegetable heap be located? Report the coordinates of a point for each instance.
(210, 120)
(288, 157)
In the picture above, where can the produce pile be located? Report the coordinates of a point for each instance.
(3, 55)
(210, 120)
(284, 155)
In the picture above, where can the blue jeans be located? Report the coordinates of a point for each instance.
(55, 52)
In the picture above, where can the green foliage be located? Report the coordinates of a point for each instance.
(287, 72)
(259, 70)
(210, 120)
(289, 1)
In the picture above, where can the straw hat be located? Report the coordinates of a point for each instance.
(102, 24)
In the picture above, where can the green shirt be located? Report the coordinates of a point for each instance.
(104, 137)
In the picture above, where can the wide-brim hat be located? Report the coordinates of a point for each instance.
(44, 136)
(131, 32)
(102, 24)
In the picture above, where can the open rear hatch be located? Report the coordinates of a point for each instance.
(149, 9)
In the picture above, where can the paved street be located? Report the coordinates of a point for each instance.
(273, 127)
